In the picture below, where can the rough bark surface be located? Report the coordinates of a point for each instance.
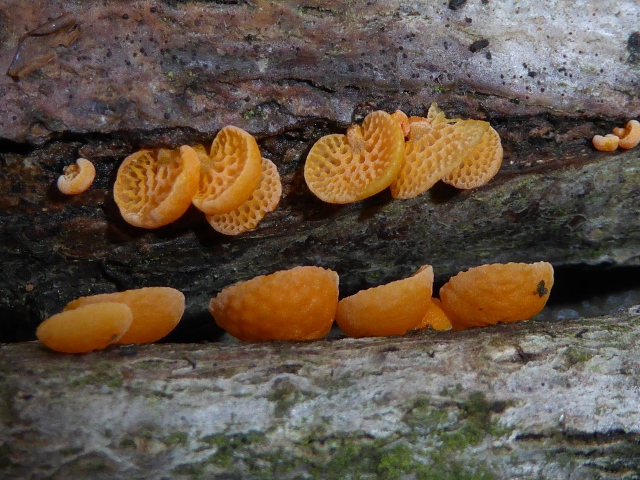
(531, 400)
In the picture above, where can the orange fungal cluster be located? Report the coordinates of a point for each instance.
(408, 154)
(624, 137)
(143, 315)
(77, 177)
(231, 183)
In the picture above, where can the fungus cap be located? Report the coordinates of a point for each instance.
(77, 177)
(402, 119)
(83, 330)
(494, 293)
(263, 200)
(608, 143)
(155, 187)
(229, 173)
(156, 311)
(434, 148)
(630, 135)
(479, 166)
(295, 304)
(435, 317)
(391, 309)
(347, 168)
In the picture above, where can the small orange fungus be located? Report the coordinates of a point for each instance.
(630, 135)
(608, 143)
(347, 168)
(391, 309)
(229, 173)
(92, 327)
(402, 119)
(494, 293)
(435, 317)
(77, 177)
(262, 201)
(434, 148)
(156, 311)
(155, 187)
(296, 304)
(481, 165)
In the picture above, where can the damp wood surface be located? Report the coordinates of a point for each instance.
(530, 400)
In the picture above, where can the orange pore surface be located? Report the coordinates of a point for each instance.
(390, 309)
(89, 328)
(435, 317)
(296, 304)
(155, 187)
(494, 293)
(156, 311)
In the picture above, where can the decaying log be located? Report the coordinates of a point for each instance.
(529, 400)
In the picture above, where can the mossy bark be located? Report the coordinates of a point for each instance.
(529, 400)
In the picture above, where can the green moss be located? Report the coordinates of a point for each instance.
(285, 395)
(104, 374)
(574, 356)
(177, 438)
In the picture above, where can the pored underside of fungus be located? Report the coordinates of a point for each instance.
(391, 309)
(155, 187)
(493, 293)
(229, 173)
(77, 177)
(347, 168)
(295, 304)
(263, 200)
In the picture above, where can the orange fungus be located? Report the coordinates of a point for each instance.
(155, 187)
(607, 143)
(494, 293)
(77, 177)
(435, 317)
(92, 327)
(229, 173)
(296, 304)
(629, 135)
(391, 309)
(156, 311)
(347, 168)
(262, 201)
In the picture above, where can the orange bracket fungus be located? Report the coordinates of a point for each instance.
(156, 311)
(263, 200)
(435, 147)
(391, 309)
(489, 294)
(77, 177)
(155, 187)
(229, 173)
(347, 168)
(295, 304)
(607, 143)
(629, 135)
(89, 328)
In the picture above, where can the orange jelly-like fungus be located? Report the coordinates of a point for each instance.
(92, 327)
(77, 177)
(391, 309)
(262, 201)
(296, 304)
(607, 143)
(481, 165)
(435, 317)
(155, 187)
(156, 311)
(629, 135)
(435, 147)
(229, 173)
(347, 168)
(494, 293)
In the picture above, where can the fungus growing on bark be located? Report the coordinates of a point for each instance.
(295, 304)
(494, 293)
(435, 317)
(155, 187)
(263, 200)
(347, 168)
(156, 311)
(391, 309)
(85, 329)
(434, 148)
(77, 177)
(629, 135)
(607, 143)
(229, 173)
